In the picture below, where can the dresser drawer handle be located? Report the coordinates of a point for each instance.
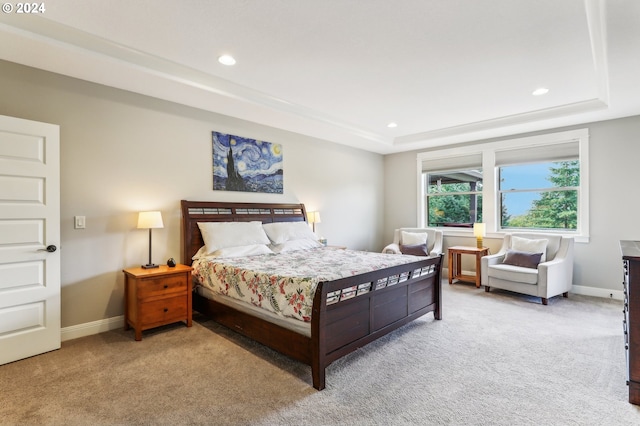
(166, 286)
(166, 309)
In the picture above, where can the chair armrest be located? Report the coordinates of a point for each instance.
(493, 259)
(392, 249)
(485, 262)
(556, 276)
(436, 250)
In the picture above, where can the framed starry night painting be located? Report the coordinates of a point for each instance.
(243, 164)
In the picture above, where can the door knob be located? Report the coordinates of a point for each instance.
(50, 248)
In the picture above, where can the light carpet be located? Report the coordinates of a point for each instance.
(495, 359)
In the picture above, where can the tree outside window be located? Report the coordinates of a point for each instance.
(454, 198)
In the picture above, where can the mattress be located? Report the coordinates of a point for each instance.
(284, 284)
(298, 326)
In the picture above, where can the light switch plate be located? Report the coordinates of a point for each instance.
(79, 222)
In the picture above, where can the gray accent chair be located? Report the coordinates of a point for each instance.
(434, 240)
(554, 276)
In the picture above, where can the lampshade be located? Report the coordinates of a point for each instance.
(313, 217)
(479, 229)
(148, 220)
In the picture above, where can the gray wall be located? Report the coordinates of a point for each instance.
(614, 148)
(122, 153)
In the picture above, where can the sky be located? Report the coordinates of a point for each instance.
(523, 176)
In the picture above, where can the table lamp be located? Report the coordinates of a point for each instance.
(479, 231)
(150, 220)
(313, 218)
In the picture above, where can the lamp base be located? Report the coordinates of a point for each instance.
(150, 266)
(479, 243)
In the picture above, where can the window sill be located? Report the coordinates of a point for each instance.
(468, 233)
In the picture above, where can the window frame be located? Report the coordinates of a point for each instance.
(490, 192)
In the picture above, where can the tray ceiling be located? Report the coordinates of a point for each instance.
(340, 70)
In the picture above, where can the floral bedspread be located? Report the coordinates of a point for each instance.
(285, 283)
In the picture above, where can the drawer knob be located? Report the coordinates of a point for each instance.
(166, 286)
(166, 309)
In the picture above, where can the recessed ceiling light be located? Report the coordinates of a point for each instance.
(540, 91)
(392, 125)
(227, 60)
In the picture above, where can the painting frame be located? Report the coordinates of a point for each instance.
(246, 165)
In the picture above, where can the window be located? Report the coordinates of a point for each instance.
(454, 198)
(540, 196)
(537, 183)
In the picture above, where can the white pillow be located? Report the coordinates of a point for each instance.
(219, 235)
(531, 246)
(250, 250)
(240, 251)
(280, 232)
(413, 238)
(202, 252)
(294, 245)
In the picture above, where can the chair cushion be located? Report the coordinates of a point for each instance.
(513, 273)
(416, 250)
(413, 238)
(530, 245)
(434, 237)
(553, 243)
(522, 258)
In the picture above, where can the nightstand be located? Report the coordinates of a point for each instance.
(155, 297)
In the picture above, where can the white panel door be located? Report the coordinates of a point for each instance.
(29, 225)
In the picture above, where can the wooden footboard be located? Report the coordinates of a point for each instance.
(351, 312)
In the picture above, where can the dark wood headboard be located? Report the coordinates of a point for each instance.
(212, 211)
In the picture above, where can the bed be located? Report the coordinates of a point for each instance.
(346, 313)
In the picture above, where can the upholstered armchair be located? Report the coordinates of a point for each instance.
(515, 267)
(434, 241)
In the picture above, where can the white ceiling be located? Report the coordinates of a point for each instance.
(446, 71)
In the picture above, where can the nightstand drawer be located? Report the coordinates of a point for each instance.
(162, 285)
(164, 310)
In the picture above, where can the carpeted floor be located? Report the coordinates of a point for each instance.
(495, 359)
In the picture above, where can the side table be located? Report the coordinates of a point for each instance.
(155, 297)
(455, 263)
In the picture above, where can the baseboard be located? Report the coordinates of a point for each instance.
(89, 328)
(576, 289)
(598, 292)
(100, 326)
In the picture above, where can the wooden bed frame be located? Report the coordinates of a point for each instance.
(347, 313)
